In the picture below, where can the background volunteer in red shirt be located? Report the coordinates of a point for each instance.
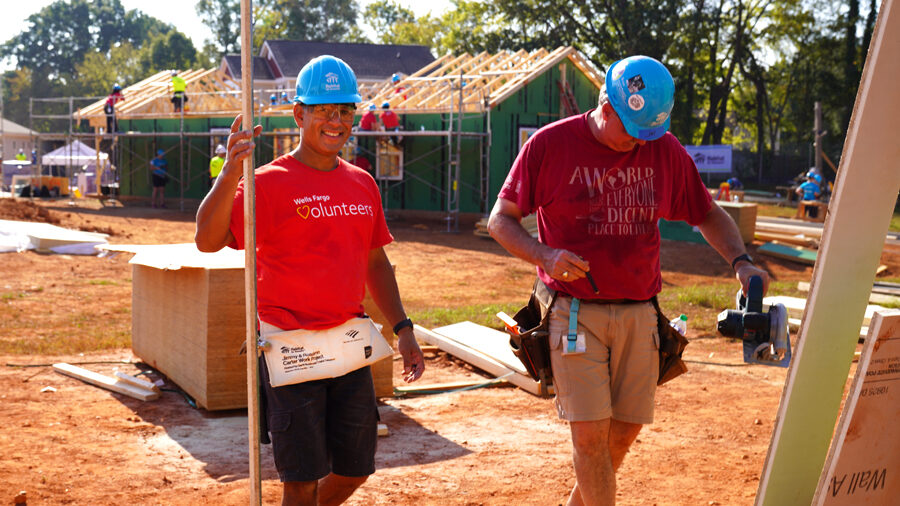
(598, 183)
(320, 235)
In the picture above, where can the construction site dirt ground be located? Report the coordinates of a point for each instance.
(498, 446)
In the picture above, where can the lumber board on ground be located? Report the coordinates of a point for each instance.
(788, 252)
(102, 381)
(781, 238)
(445, 387)
(138, 382)
(852, 242)
(874, 297)
(477, 358)
(863, 462)
(796, 306)
(489, 341)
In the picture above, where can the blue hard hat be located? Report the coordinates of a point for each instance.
(641, 91)
(116, 87)
(284, 94)
(386, 105)
(372, 107)
(160, 152)
(327, 80)
(395, 78)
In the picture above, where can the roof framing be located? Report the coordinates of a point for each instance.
(486, 79)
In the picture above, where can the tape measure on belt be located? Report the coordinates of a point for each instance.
(572, 336)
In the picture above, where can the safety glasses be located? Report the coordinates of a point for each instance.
(345, 112)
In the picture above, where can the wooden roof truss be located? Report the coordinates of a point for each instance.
(487, 80)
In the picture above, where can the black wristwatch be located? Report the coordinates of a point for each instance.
(402, 325)
(740, 257)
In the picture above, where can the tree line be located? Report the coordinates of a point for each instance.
(747, 72)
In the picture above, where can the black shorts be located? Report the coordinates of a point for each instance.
(159, 180)
(323, 426)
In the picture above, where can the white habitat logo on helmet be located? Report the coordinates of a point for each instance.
(642, 92)
(332, 82)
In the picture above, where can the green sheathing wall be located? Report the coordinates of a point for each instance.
(192, 155)
(535, 105)
(426, 158)
(426, 162)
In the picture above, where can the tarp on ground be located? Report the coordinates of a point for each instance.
(74, 154)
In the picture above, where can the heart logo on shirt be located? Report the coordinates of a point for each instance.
(303, 212)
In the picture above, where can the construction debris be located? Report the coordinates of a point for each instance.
(483, 347)
(113, 384)
(788, 252)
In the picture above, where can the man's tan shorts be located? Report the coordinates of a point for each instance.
(616, 375)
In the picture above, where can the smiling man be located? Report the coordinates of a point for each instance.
(320, 236)
(598, 183)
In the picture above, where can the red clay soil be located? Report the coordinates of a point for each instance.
(493, 446)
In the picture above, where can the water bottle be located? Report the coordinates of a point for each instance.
(680, 324)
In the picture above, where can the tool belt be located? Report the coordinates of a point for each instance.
(531, 344)
(671, 347)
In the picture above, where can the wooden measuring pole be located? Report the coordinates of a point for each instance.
(852, 241)
(250, 257)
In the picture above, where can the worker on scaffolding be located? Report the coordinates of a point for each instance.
(273, 99)
(284, 98)
(109, 108)
(391, 122)
(215, 165)
(323, 431)
(159, 173)
(178, 91)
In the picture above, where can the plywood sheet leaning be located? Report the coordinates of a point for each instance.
(852, 242)
(486, 342)
(112, 384)
(863, 464)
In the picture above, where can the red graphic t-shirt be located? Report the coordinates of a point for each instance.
(314, 231)
(604, 205)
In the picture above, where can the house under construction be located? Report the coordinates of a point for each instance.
(463, 120)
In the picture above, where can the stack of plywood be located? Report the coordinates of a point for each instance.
(188, 322)
(744, 215)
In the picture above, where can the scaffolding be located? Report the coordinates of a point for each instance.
(456, 89)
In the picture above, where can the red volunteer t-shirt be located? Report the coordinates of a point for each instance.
(314, 231)
(603, 205)
(367, 122)
(389, 119)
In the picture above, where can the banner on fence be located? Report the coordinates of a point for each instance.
(711, 159)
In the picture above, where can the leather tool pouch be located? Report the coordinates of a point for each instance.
(671, 347)
(532, 344)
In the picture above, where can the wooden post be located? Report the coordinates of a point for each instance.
(250, 258)
(817, 135)
(852, 241)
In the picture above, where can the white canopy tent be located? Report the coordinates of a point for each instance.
(74, 154)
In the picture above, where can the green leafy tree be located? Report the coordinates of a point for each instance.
(223, 17)
(57, 37)
(172, 50)
(99, 71)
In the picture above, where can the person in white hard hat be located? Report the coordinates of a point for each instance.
(216, 164)
(598, 183)
(320, 237)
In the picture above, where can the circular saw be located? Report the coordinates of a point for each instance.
(765, 334)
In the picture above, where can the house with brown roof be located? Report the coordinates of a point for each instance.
(279, 61)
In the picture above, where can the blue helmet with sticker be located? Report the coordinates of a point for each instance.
(641, 91)
(327, 80)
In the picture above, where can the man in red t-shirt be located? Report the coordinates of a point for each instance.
(320, 237)
(598, 183)
(391, 121)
